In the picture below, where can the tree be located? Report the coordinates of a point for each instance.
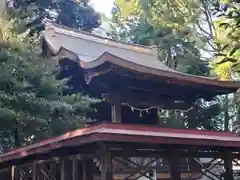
(178, 44)
(32, 103)
(194, 21)
(227, 64)
(70, 13)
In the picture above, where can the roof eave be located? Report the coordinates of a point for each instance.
(108, 57)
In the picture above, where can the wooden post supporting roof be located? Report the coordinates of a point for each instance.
(228, 166)
(115, 101)
(5, 174)
(12, 172)
(17, 174)
(116, 112)
(63, 169)
(75, 169)
(106, 164)
(84, 170)
(89, 170)
(174, 162)
(66, 169)
(34, 171)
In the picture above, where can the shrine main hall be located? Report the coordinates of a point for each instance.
(123, 145)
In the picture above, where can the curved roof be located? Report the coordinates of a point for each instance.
(91, 51)
(126, 134)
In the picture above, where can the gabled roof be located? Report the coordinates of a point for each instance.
(91, 51)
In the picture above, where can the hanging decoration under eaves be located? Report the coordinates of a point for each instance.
(141, 110)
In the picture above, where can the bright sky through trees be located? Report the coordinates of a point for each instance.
(103, 6)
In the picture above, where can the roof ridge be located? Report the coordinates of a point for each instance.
(108, 41)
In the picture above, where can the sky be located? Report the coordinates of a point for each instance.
(103, 6)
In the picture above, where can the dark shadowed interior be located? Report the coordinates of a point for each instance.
(77, 83)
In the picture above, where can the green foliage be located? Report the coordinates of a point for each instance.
(157, 23)
(228, 31)
(202, 115)
(227, 61)
(74, 14)
(32, 105)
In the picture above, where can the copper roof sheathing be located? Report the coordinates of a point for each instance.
(127, 133)
(89, 48)
(91, 51)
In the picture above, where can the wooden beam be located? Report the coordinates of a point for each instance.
(34, 171)
(115, 107)
(137, 170)
(17, 174)
(145, 99)
(84, 169)
(75, 169)
(53, 170)
(162, 153)
(106, 163)
(63, 169)
(103, 168)
(130, 80)
(66, 169)
(174, 162)
(12, 172)
(228, 166)
(109, 165)
(89, 169)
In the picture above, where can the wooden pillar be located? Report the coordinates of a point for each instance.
(84, 169)
(34, 171)
(12, 172)
(89, 169)
(116, 108)
(113, 98)
(39, 171)
(65, 169)
(53, 170)
(75, 169)
(6, 174)
(110, 166)
(106, 163)
(174, 163)
(228, 166)
(17, 174)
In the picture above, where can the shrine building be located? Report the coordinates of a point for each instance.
(124, 145)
